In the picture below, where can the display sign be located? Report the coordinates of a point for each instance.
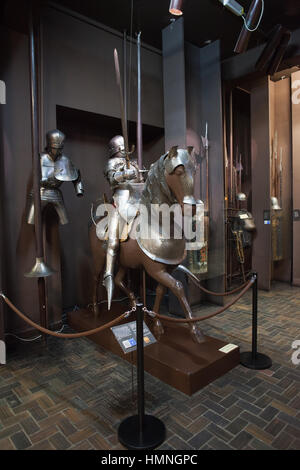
(126, 336)
(296, 215)
(267, 217)
(228, 348)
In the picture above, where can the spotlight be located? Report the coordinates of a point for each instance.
(252, 22)
(233, 6)
(176, 7)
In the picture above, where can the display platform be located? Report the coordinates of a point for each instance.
(175, 359)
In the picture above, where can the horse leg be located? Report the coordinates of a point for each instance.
(160, 292)
(119, 281)
(99, 259)
(160, 274)
(95, 303)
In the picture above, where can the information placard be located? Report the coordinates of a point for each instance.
(126, 336)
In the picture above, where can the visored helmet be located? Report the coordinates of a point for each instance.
(116, 145)
(55, 139)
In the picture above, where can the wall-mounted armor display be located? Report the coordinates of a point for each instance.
(242, 227)
(198, 259)
(56, 168)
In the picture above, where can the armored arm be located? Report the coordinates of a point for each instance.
(116, 172)
(78, 185)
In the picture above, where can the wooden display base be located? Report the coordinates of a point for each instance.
(175, 359)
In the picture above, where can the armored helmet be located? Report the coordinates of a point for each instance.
(177, 157)
(55, 139)
(241, 197)
(117, 144)
(275, 204)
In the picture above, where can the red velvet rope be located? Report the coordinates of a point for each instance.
(195, 320)
(63, 335)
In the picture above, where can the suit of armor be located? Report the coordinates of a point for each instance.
(119, 178)
(56, 168)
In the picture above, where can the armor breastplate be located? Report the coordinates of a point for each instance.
(55, 172)
(48, 180)
(127, 199)
(119, 164)
(64, 170)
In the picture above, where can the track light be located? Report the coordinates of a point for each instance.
(233, 6)
(252, 22)
(176, 7)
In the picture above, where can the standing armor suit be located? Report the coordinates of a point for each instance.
(55, 169)
(119, 178)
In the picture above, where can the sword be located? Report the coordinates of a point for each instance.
(122, 108)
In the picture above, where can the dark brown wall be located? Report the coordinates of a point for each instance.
(18, 237)
(296, 181)
(204, 105)
(77, 73)
(283, 124)
(192, 78)
(260, 143)
(88, 135)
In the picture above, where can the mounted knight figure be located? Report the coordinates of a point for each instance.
(170, 183)
(119, 176)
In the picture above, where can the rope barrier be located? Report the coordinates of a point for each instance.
(124, 316)
(63, 335)
(196, 320)
(197, 283)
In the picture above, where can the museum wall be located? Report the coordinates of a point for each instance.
(18, 239)
(271, 121)
(296, 177)
(282, 123)
(78, 74)
(192, 83)
(260, 151)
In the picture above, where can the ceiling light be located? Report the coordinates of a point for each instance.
(176, 7)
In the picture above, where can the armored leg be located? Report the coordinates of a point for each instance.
(113, 245)
(61, 212)
(31, 213)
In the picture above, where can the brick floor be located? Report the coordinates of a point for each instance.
(73, 394)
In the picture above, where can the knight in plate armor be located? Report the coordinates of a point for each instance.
(56, 168)
(120, 178)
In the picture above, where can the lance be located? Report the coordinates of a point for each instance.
(40, 269)
(139, 111)
(206, 147)
(281, 176)
(122, 108)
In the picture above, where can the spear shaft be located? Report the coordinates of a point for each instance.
(122, 108)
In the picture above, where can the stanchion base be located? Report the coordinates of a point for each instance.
(154, 433)
(260, 362)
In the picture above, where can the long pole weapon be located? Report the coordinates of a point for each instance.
(139, 110)
(281, 176)
(40, 269)
(122, 109)
(206, 147)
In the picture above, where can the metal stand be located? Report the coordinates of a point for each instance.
(141, 432)
(255, 360)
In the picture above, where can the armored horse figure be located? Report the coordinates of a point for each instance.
(170, 181)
